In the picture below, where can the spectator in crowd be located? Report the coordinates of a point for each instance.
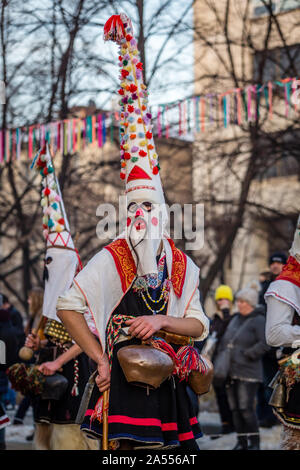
(219, 323)
(7, 335)
(17, 325)
(265, 415)
(35, 302)
(276, 262)
(16, 320)
(245, 337)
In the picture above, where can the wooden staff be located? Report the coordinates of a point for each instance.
(26, 353)
(105, 420)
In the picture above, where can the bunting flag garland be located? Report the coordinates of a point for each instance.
(196, 114)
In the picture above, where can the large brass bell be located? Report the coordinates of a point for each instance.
(278, 397)
(144, 365)
(200, 382)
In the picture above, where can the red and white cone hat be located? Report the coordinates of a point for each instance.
(139, 160)
(56, 228)
(62, 261)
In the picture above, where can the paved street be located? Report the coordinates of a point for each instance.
(210, 423)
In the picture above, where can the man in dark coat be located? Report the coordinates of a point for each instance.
(245, 338)
(16, 320)
(8, 338)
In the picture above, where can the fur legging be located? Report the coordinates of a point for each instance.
(62, 437)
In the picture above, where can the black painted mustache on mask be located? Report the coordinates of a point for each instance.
(131, 244)
(144, 231)
(45, 274)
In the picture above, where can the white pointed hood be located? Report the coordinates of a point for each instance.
(139, 160)
(61, 258)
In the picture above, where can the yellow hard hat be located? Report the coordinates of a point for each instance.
(224, 292)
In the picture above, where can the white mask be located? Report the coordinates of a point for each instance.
(144, 233)
(60, 266)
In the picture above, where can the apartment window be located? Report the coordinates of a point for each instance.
(277, 64)
(280, 233)
(278, 6)
(279, 153)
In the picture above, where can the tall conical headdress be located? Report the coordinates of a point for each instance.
(62, 261)
(139, 162)
(56, 228)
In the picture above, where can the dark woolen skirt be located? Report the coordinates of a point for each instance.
(163, 418)
(63, 411)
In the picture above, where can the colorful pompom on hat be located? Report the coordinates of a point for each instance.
(56, 228)
(139, 161)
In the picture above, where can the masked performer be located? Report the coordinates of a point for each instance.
(55, 418)
(283, 329)
(137, 286)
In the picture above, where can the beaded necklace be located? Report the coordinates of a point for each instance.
(142, 284)
(150, 308)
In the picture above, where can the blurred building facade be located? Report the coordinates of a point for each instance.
(236, 46)
(91, 180)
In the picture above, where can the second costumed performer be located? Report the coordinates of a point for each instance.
(55, 418)
(137, 286)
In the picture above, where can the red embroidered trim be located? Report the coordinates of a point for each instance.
(124, 261)
(59, 236)
(283, 298)
(169, 426)
(179, 263)
(134, 421)
(290, 272)
(134, 188)
(126, 268)
(186, 436)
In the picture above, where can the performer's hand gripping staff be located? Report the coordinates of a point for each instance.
(103, 382)
(77, 327)
(99, 380)
(32, 342)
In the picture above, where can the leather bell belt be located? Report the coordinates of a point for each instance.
(173, 338)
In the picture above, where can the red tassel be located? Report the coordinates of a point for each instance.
(189, 359)
(163, 346)
(114, 29)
